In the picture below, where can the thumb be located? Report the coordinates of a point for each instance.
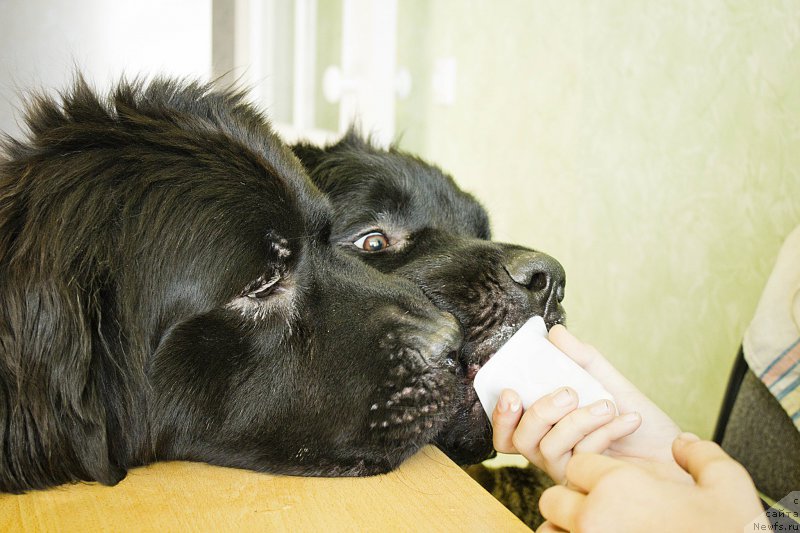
(705, 461)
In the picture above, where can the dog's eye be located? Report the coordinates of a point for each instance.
(372, 242)
(262, 287)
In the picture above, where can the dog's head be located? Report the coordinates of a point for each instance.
(406, 217)
(169, 291)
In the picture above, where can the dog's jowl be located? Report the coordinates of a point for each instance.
(169, 290)
(407, 218)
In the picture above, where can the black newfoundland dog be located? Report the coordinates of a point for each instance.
(405, 217)
(169, 290)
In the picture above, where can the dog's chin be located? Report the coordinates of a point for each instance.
(467, 438)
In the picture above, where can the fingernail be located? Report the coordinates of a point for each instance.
(502, 405)
(509, 401)
(688, 437)
(562, 397)
(600, 408)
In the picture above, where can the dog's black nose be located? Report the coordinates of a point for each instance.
(537, 272)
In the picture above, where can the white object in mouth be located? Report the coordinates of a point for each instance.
(533, 367)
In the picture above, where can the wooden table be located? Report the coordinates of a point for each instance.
(427, 493)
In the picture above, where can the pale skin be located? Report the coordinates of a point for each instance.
(632, 471)
(550, 430)
(607, 494)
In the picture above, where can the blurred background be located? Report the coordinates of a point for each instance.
(653, 147)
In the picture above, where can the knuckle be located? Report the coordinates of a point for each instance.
(550, 451)
(597, 444)
(540, 412)
(519, 444)
(721, 467)
(706, 447)
(502, 445)
(583, 447)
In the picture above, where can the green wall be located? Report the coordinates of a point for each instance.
(652, 147)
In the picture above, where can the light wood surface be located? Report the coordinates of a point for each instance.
(427, 493)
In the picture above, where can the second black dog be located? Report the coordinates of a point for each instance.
(406, 217)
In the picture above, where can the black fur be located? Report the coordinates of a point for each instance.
(438, 238)
(168, 291)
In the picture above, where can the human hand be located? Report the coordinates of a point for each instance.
(550, 430)
(653, 440)
(606, 494)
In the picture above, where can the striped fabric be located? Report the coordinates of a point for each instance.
(772, 341)
(781, 377)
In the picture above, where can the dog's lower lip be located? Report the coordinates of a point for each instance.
(477, 408)
(470, 365)
(472, 370)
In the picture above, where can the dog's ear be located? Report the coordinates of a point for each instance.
(310, 155)
(53, 417)
(354, 139)
(55, 368)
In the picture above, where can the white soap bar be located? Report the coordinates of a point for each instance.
(533, 367)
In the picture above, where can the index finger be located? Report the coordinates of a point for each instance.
(590, 359)
(584, 470)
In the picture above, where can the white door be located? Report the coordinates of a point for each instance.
(272, 47)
